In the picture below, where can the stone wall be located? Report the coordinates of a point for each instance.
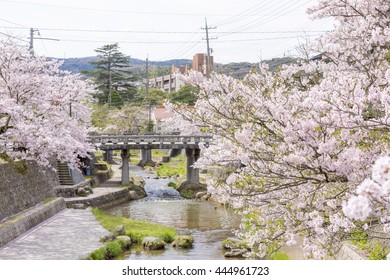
(19, 192)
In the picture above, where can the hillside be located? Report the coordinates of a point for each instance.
(83, 63)
(236, 70)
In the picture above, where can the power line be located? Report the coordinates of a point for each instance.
(261, 20)
(162, 32)
(13, 37)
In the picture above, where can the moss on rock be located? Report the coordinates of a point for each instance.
(183, 241)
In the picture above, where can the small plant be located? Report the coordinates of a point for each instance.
(172, 185)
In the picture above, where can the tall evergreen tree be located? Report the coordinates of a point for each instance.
(113, 76)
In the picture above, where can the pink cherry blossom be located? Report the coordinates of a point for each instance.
(44, 112)
(297, 145)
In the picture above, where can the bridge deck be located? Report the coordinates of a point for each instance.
(118, 142)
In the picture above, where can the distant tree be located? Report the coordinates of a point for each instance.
(160, 71)
(154, 97)
(113, 77)
(187, 94)
(128, 119)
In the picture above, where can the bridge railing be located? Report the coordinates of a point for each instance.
(150, 139)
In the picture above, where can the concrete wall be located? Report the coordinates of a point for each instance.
(19, 192)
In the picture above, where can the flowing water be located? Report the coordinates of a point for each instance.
(208, 223)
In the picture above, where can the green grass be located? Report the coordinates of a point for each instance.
(137, 230)
(158, 153)
(279, 255)
(109, 251)
(168, 171)
(176, 166)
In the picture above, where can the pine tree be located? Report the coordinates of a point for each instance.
(113, 76)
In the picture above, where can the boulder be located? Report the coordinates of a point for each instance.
(236, 253)
(105, 238)
(82, 192)
(183, 241)
(165, 159)
(137, 180)
(119, 230)
(125, 241)
(189, 189)
(137, 192)
(234, 243)
(153, 243)
(203, 196)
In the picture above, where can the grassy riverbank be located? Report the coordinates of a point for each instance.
(135, 229)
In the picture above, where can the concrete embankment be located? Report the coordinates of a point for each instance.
(69, 235)
(51, 231)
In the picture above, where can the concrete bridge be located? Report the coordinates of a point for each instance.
(146, 143)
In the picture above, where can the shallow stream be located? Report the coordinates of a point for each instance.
(208, 223)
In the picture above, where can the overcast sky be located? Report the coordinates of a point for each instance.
(243, 30)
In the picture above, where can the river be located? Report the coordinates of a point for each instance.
(207, 222)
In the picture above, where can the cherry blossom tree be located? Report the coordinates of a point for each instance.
(302, 139)
(43, 111)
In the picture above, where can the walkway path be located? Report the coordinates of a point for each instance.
(69, 235)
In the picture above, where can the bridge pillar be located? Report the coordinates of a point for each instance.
(108, 155)
(146, 157)
(125, 154)
(192, 186)
(175, 152)
(192, 173)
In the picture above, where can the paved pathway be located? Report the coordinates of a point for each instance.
(69, 235)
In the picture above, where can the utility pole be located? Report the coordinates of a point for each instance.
(208, 70)
(32, 32)
(109, 81)
(147, 93)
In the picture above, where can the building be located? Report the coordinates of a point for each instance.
(167, 83)
(164, 120)
(171, 82)
(160, 115)
(200, 62)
